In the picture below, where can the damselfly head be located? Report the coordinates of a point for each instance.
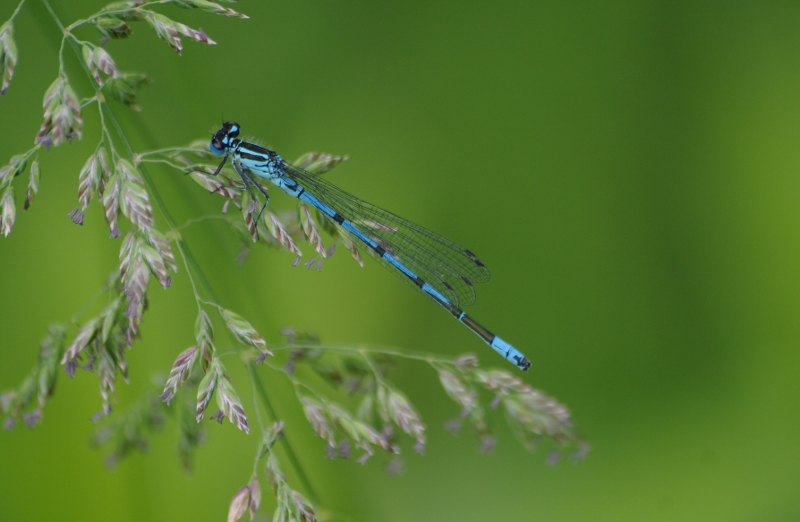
(232, 128)
(222, 138)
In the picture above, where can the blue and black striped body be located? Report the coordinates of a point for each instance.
(436, 266)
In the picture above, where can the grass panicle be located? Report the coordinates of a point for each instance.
(345, 392)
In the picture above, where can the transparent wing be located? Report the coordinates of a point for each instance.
(447, 266)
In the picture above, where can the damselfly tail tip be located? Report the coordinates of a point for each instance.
(523, 364)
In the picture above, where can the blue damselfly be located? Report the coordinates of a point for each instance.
(438, 267)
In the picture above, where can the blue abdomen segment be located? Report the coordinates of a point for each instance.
(308, 198)
(363, 237)
(428, 289)
(510, 353)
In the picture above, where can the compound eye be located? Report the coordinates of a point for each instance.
(216, 146)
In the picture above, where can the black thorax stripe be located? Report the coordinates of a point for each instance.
(254, 157)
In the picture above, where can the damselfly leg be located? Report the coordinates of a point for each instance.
(248, 180)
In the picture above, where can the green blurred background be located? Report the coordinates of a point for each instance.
(628, 170)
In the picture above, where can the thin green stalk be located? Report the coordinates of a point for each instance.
(201, 219)
(16, 11)
(372, 349)
(167, 150)
(292, 457)
(141, 7)
(76, 315)
(172, 164)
